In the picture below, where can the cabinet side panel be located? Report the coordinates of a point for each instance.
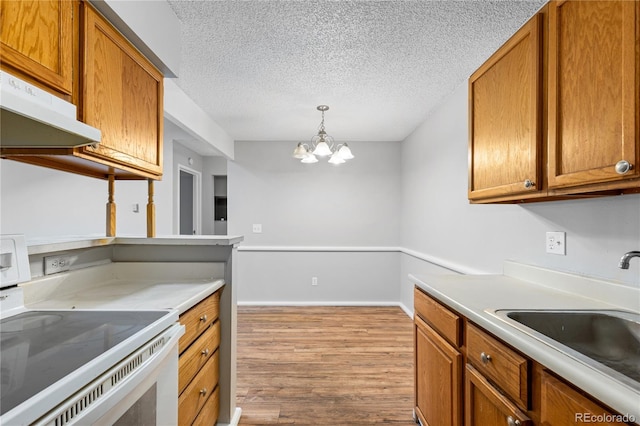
(103, 97)
(140, 106)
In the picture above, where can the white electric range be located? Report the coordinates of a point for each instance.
(80, 366)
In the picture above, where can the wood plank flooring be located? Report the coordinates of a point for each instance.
(325, 366)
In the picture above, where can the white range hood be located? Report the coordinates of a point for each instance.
(33, 118)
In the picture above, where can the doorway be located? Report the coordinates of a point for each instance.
(189, 222)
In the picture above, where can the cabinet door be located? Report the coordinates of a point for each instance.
(122, 96)
(484, 405)
(438, 384)
(593, 91)
(563, 406)
(37, 41)
(504, 119)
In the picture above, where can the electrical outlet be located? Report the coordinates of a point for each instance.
(556, 243)
(314, 280)
(257, 228)
(55, 264)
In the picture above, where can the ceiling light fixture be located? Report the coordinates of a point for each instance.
(322, 145)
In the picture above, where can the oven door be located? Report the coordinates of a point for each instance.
(141, 389)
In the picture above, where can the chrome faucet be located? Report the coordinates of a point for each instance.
(624, 260)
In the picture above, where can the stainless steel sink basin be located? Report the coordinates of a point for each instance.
(606, 340)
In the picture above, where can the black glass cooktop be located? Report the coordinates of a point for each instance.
(39, 348)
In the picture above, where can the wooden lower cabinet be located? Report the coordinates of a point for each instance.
(438, 378)
(500, 364)
(199, 364)
(485, 405)
(465, 375)
(561, 405)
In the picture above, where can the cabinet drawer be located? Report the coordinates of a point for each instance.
(197, 355)
(198, 392)
(209, 414)
(501, 364)
(197, 319)
(441, 318)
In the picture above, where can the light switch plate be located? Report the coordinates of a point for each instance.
(556, 243)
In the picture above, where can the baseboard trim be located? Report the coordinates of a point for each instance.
(327, 303)
(235, 420)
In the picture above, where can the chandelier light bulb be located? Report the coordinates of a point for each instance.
(322, 149)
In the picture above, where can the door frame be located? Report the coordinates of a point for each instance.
(197, 199)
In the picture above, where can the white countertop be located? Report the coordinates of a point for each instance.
(53, 244)
(474, 296)
(130, 285)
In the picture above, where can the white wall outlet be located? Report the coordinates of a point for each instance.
(314, 280)
(55, 264)
(257, 228)
(556, 243)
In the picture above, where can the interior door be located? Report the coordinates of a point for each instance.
(186, 203)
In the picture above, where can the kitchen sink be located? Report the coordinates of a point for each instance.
(606, 340)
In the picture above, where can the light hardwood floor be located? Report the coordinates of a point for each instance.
(325, 366)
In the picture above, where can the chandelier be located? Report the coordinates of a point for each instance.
(322, 145)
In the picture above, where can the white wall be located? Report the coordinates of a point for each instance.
(40, 202)
(320, 204)
(301, 207)
(438, 221)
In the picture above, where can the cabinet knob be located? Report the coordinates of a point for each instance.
(623, 166)
(203, 318)
(528, 184)
(512, 422)
(203, 392)
(485, 358)
(205, 352)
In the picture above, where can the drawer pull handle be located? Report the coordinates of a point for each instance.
(203, 392)
(203, 318)
(512, 422)
(485, 358)
(528, 184)
(205, 352)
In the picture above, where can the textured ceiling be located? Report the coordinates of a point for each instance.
(260, 68)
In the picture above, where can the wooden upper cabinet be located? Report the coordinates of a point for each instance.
(594, 92)
(122, 95)
(37, 42)
(504, 118)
